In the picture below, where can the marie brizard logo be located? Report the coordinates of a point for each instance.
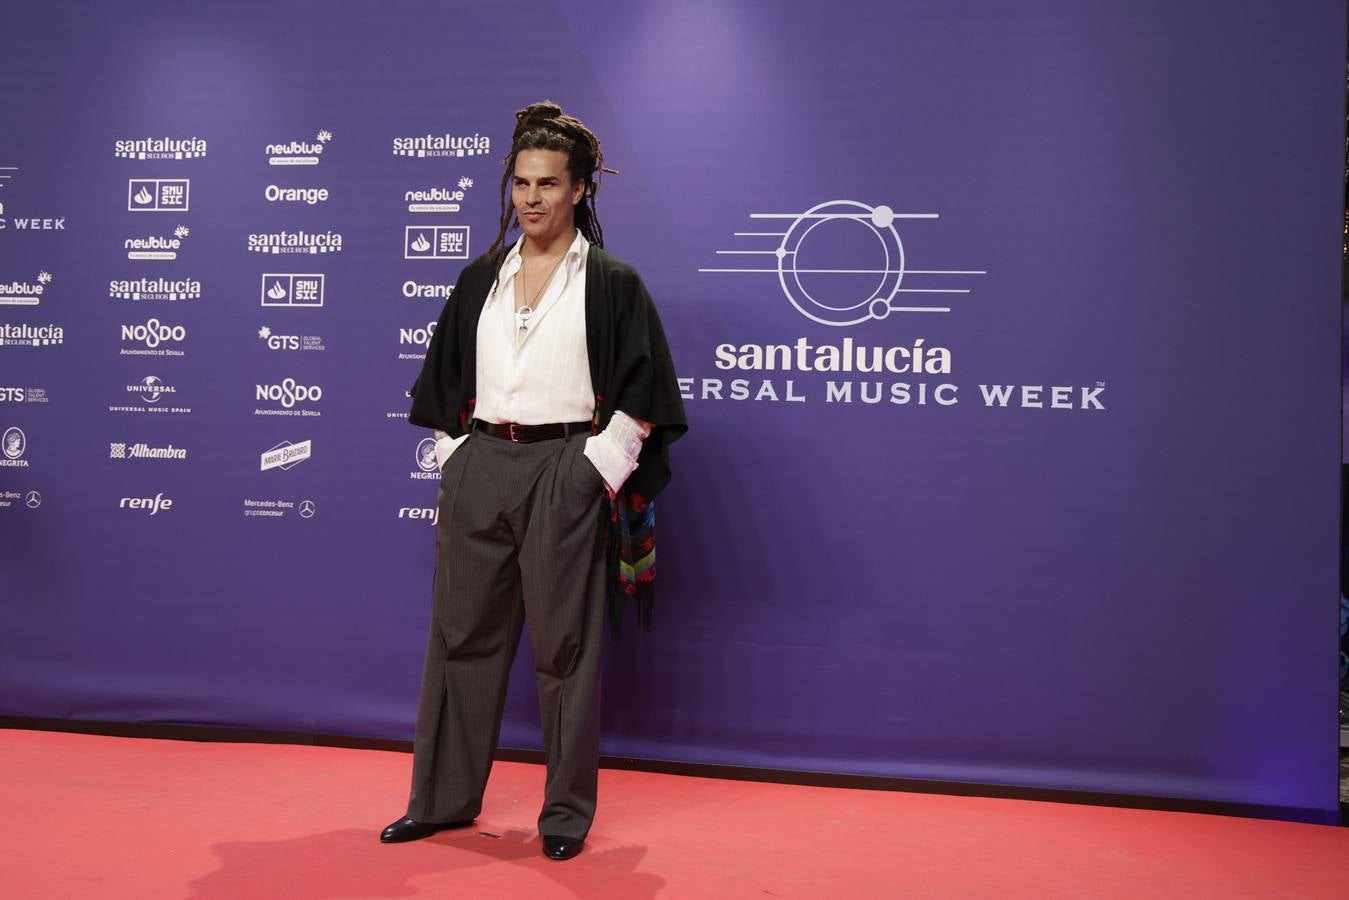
(843, 263)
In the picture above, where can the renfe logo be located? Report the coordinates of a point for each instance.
(153, 504)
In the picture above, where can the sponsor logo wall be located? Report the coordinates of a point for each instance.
(963, 415)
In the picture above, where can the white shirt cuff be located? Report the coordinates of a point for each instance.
(614, 451)
(446, 445)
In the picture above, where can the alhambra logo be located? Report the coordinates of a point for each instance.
(25, 293)
(156, 246)
(298, 153)
(843, 263)
(295, 242)
(160, 148)
(434, 145)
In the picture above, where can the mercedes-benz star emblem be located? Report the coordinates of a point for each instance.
(306, 509)
(33, 499)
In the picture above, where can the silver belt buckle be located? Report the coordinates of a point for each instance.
(514, 439)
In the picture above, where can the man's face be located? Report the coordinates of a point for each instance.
(544, 195)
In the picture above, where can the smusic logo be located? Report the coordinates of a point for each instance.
(291, 290)
(160, 148)
(158, 194)
(435, 242)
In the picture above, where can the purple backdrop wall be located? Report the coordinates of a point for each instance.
(1132, 593)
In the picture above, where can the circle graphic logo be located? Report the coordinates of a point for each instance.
(307, 509)
(825, 241)
(33, 499)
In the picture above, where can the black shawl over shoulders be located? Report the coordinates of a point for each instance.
(630, 369)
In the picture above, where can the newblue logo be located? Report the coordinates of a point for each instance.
(438, 199)
(298, 153)
(24, 293)
(156, 246)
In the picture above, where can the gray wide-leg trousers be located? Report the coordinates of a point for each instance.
(518, 538)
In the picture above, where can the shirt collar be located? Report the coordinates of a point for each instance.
(575, 253)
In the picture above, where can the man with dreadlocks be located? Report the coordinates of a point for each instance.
(552, 391)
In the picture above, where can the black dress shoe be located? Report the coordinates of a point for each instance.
(557, 847)
(406, 829)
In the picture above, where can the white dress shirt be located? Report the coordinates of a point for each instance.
(541, 373)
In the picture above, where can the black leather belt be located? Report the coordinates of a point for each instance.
(527, 434)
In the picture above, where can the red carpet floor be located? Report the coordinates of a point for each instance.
(99, 817)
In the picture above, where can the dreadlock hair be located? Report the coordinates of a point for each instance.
(543, 126)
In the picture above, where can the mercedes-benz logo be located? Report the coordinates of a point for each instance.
(306, 509)
(33, 499)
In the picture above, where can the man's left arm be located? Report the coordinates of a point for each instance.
(614, 451)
